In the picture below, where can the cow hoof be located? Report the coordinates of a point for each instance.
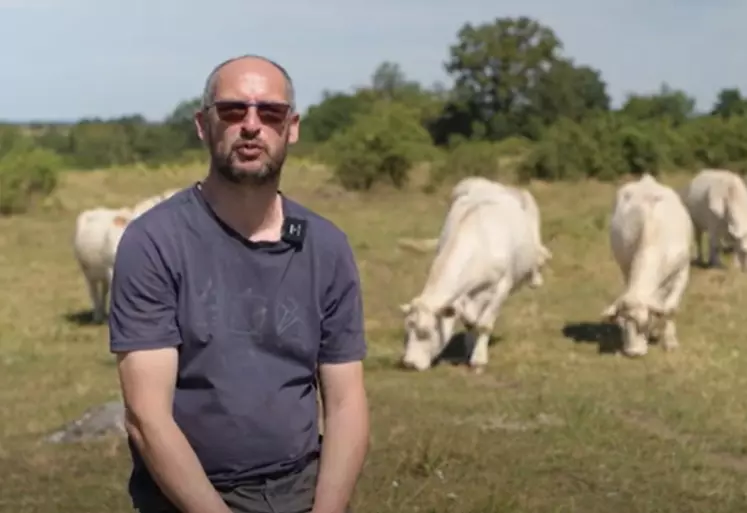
(635, 353)
(477, 369)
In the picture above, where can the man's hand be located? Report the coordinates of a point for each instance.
(346, 431)
(148, 378)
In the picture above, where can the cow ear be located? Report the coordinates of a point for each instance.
(405, 308)
(609, 313)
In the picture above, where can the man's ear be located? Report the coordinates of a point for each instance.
(199, 121)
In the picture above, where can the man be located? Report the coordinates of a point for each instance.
(228, 299)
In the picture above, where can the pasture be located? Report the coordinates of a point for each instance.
(557, 423)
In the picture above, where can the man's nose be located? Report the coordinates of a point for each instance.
(251, 122)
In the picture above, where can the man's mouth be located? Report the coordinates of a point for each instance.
(249, 150)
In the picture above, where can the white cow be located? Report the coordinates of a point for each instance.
(650, 236)
(487, 250)
(148, 203)
(478, 187)
(717, 202)
(97, 235)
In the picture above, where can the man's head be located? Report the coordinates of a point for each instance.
(248, 119)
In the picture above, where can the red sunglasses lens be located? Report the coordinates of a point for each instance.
(231, 112)
(269, 113)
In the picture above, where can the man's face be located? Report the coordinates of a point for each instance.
(248, 143)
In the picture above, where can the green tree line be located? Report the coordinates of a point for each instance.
(518, 104)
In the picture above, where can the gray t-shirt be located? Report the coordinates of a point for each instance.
(251, 322)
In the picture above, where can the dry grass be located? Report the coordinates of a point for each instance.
(553, 425)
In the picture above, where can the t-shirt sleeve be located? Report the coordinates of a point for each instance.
(343, 335)
(143, 296)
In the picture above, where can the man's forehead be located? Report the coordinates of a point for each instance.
(253, 83)
(251, 79)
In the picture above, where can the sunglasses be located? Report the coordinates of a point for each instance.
(235, 111)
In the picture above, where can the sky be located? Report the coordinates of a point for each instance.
(63, 60)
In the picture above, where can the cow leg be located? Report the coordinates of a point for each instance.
(105, 287)
(485, 323)
(536, 280)
(669, 338)
(714, 238)
(447, 328)
(96, 299)
(679, 283)
(700, 257)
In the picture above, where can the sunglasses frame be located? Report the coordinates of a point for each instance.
(248, 105)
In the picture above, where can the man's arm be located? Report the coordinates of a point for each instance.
(346, 430)
(346, 422)
(143, 333)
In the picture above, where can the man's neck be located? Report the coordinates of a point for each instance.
(256, 212)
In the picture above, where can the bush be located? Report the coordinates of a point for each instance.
(609, 145)
(716, 141)
(467, 158)
(566, 152)
(380, 145)
(515, 146)
(26, 176)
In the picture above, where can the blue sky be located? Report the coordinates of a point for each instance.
(67, 59)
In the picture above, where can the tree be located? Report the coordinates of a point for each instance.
(568, 91)
(496, 67)
(333, 114)
(388, 80)
(729, 102)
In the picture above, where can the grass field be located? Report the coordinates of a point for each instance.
(557, 423)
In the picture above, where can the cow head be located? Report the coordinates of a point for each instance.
(638, 321)
(426, 333)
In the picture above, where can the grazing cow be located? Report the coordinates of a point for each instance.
(478, 187)
(148, 203)
(97, 235)
(487, 250)
(650, 236)
(717, 202)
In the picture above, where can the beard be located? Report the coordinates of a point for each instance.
(269, 172)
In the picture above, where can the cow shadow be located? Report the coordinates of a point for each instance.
(705, 265)
(460, 347)
(82, 318)
(607, 336)
(457, 351)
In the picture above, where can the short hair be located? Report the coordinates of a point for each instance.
(208, 92)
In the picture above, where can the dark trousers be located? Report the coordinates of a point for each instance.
(293, 493)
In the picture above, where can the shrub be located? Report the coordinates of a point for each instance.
(467, 158)
(716, 141)
(26, 176)
(515, 146)
(380, 145)
(566, 152)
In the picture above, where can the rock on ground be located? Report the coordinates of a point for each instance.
(96, 422)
